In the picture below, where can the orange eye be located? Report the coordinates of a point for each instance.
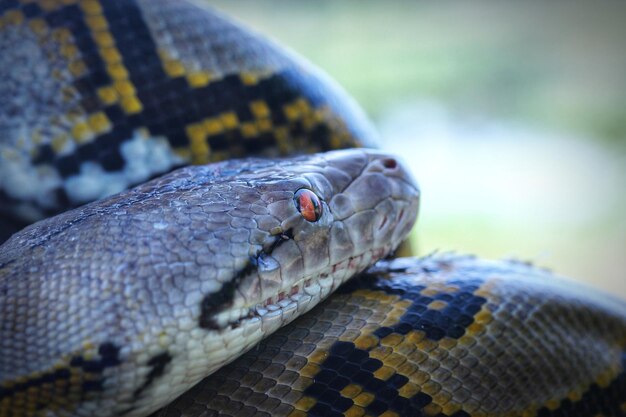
(308, 204)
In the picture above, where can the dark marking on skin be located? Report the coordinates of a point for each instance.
(216, 301)
(109, 354)
(91, 369)
(595, 401)
(223, 298)
(158, 364)
(346, 364)
(450, 321)
(109, 358)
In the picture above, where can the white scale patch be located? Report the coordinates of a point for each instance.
(32, 112)
(143, 156)
(20, 179)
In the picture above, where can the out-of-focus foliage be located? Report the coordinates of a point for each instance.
(561, 63)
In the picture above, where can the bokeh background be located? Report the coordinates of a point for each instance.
(512, 116)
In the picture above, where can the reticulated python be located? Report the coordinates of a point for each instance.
(121, 305)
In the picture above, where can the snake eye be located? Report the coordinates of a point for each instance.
(308, 204)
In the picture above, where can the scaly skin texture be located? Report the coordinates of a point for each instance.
(120, 306)
(115, 308)
(99, 96)
(440, 336)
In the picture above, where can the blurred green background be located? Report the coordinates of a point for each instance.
(512, 116)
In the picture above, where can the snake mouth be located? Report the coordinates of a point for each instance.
(285, 305)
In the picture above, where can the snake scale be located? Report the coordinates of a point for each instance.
(130, 287)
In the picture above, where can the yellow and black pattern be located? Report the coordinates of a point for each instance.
(107, 87)
(447, 336)
(100, 95)
(62, 387)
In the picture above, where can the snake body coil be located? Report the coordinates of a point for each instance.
(117, 307)
(101, 96)
(440, 336)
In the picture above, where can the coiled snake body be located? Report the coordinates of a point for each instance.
(119, 306)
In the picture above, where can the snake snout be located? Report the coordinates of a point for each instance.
(396, 214)
(376, 210)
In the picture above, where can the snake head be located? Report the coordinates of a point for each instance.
(319, 220)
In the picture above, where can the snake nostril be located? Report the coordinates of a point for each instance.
(390, 163)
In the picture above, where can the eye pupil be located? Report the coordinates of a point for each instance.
(308, 204)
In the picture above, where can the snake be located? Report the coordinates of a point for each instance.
(186, 207)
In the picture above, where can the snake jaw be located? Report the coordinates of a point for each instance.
(288, 303)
